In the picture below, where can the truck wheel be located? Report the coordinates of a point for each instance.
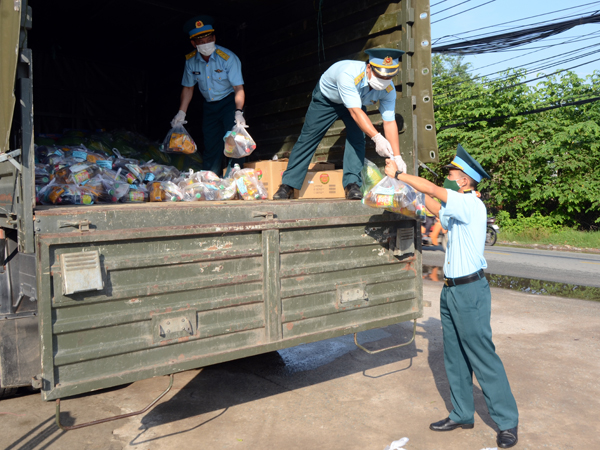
(7, 392)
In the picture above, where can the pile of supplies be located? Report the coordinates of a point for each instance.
(78, 175)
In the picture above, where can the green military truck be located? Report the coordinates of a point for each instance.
(101, 295)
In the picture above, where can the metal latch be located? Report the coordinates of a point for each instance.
(351, 293)
(405, 242)
(265, 215)
(81, 272)
(174, 325)
(83, 225)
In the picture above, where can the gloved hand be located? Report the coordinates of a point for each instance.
(239, 119)
(382, 146)
(179, 119)
(400, 163)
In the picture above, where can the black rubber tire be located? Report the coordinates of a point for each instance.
(490, 236)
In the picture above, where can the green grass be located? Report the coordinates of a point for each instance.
(565, 236)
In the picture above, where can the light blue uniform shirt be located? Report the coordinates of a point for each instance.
(343, 83)
(465, 218)
(216, 77)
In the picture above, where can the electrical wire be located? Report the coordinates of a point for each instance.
(453, 6)
(438, 3)
(517, 20)
(523, 113)
(517, 84)
(575, 39)
(548, 61)
(506, 41)
(462, 12)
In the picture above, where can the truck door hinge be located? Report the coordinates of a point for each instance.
(83, 225)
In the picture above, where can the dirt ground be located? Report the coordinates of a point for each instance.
(331, 395)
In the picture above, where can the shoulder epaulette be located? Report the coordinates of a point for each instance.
(191, 55)
(359, 78)
(222, 54)
(389, 89)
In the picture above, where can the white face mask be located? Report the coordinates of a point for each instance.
(377, 83)
(206, 49)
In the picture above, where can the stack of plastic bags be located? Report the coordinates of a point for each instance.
(76, 175)
(391, 194)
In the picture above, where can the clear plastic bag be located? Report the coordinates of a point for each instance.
(137, 195)
(238, 143)
(178, 140)
(398, 197)
(248, 185)
(371, 175)
(64, 194)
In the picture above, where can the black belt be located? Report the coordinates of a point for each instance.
(464, 280)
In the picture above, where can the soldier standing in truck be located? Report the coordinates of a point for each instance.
(218, 73)
(343, 92)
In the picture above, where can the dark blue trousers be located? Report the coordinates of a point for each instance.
(219, 118)
(468, 347)
(321, 114)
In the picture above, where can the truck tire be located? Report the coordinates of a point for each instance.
(7, 392)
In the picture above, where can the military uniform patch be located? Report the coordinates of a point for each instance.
(358, 79)
(222, 54)
(387, 61)
(191, 55)
(389, 89)
(199, 24)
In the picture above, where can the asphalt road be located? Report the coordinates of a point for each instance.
(582, 269)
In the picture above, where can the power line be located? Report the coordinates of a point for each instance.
(453, 6)
(524, 113)
(575, 39)
(438, 3)
(517, 84)
(462, 12)
(505, 41)
(535, 69)
(518, 20)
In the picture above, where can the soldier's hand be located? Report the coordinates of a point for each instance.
(239, 119)
(179, 119)
(382, 146)
(390, 168)
(400, 163)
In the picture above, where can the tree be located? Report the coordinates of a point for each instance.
(541, 163)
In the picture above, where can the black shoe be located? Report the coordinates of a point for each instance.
(507, 438)
(284, 192)
(449, 425)
(353, 192)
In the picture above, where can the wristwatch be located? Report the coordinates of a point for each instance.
(398, 172)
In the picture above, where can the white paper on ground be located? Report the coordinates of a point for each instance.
(397, 445)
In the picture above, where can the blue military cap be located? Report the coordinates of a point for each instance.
(384, 61)
(199, 26)
(468, 165)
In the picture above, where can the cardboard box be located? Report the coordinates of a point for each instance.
(322, 184)
(272, 171)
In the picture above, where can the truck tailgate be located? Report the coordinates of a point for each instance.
(128, 292)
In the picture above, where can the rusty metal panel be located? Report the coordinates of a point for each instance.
(178, 296)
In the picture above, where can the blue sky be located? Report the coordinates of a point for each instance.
(499, 11)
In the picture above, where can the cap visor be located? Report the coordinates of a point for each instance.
(385, 72)
(202, 34)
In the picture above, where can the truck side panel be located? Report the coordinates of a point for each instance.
(216, 291)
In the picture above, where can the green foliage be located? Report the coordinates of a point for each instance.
(543, 165)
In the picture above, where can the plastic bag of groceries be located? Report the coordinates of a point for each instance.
(398, 197)
(248, 185)
(371, 175)
(178, 140)
(64, 194)
(238, 143)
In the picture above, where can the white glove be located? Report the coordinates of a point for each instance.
(179, 119)
(239, 119)
(382, 146)
(400, 163)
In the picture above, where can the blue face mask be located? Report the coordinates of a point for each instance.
(451, 184)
